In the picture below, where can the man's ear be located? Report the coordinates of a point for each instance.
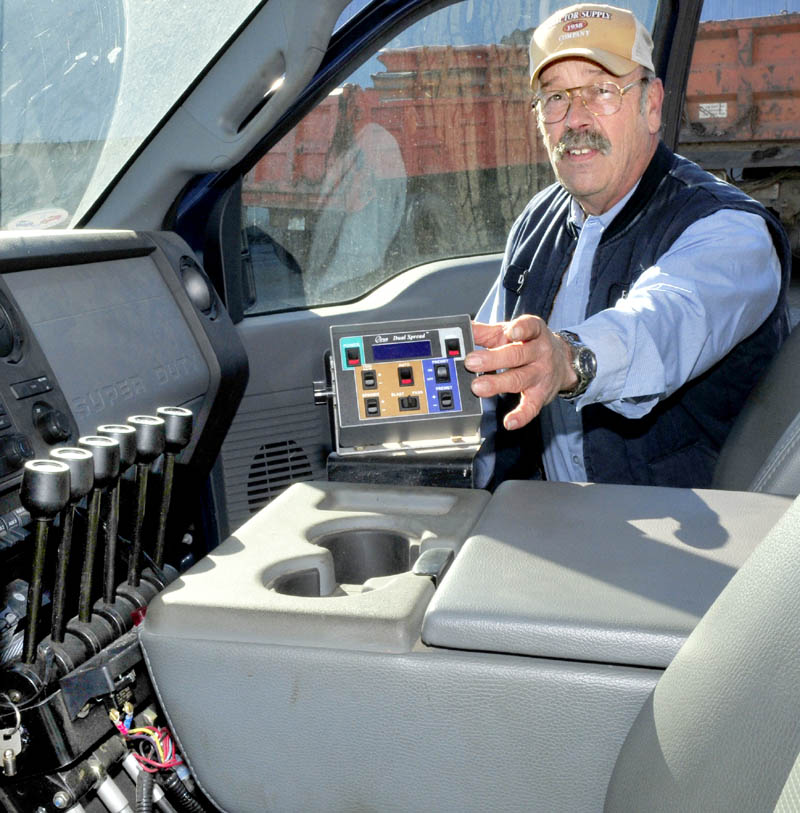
(655, 100)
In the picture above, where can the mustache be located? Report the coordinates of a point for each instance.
(579, 139)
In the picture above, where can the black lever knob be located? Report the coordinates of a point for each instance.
(177, 427)
(45, 488)
(44, 492)
(150, 437)
(81, 470)
(106, 457)
(125, 435)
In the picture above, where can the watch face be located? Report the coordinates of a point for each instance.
(587, 363)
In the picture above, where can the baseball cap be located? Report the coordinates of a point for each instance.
(608, 35)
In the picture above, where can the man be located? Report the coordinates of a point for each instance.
(639, 297)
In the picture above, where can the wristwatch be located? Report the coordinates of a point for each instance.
(583, 361)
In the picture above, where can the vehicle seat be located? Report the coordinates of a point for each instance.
(762, 452)
(720, 730)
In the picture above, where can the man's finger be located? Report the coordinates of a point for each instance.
(489, 335)
(513, 380)
(527, 409)
(524, 328)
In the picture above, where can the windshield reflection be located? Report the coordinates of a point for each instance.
(83, 84)
(60, 69)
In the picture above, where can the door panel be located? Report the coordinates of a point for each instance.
(279, 436)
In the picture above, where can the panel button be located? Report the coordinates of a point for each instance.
(40, 384)
(446, 399)
(353, 356)
(409, 402)
(34, 386)
(452, 347)
(442, 372)
(5, 422)
(405, 375)
(369, 379)
(21, 390)
(372, 407)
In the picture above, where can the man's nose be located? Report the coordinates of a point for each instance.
(578, 114)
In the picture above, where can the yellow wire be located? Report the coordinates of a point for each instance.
(153, 737)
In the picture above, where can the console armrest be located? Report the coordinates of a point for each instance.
(601, 573)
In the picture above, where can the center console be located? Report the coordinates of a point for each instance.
(422, 648)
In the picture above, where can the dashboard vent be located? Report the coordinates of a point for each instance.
(274, 468)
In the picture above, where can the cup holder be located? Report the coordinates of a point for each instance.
(303, 583)
(363, 554)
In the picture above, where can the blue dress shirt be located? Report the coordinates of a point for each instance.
(717, 283)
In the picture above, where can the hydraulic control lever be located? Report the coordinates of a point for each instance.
(125, 436)
(150, 442)
(45, 491)
(95, 632)
(177, 434)
(81, 478)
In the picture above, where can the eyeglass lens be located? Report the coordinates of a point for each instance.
(603, 100)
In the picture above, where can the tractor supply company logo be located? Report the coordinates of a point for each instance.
(576, 23)
(586, 14)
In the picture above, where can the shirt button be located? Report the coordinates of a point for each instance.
(576, 459)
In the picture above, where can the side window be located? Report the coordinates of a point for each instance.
(425, 152)
(742, 101)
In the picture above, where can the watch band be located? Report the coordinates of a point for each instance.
(583, 361)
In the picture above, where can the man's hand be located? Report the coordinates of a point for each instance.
(535, 361)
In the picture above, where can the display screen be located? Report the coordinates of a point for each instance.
(398, 351)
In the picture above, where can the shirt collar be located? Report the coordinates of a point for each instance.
(577, 217)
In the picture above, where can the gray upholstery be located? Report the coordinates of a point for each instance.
(313, 730)
(605, 573)
(721, 731)
(780, 472)
(761, 454)
(789, 801)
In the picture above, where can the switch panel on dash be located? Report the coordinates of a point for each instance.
(403, 381)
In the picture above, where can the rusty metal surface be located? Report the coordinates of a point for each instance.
(743, 84)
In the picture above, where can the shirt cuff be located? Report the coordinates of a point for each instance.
(615, 371)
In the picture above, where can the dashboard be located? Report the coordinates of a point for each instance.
(96, 327)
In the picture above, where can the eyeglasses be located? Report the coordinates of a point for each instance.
(604, 99)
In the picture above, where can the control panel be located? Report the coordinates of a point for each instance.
(403, 381)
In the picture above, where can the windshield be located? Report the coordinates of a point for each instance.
(82, 85)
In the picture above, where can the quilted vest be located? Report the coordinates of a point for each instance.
(678, 442)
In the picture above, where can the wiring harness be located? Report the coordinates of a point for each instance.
(154, 750)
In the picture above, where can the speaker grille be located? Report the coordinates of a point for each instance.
(274, 468)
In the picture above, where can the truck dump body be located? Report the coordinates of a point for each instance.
(742, 110)
(743, 92)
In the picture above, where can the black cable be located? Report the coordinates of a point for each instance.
(144, 792)
(178, 794)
